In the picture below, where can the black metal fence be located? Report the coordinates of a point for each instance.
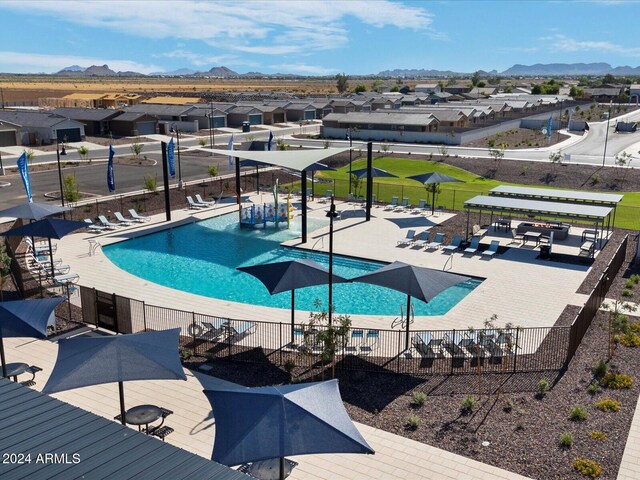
(505, 350)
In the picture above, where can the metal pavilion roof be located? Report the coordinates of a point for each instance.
(575, 196)
(498, 203)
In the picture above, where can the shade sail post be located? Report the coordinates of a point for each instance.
(238, 191)
(303, 181)
(4, 361)
(433, 197)
(122, 410)
(369, 180)
(53, 269)
(293, 313)
(165, 179)
(406, 343)
(282, 476)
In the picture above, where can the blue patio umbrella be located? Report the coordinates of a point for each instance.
(48, 228)
(375, 173)
(432, 180)
(84, 361)
(25, 318)
(419, 282)
(313, 168)
(33, 211)
(261, 423)
(290, 275)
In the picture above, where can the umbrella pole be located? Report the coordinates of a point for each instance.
(433, 198)
(293, 314)
(406, 344)
(53, 269)
(281, 468)
(4, 362)
(122, 411)
(257, 180)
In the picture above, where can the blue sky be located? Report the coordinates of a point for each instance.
(314, 38)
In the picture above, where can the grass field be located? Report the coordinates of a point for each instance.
(451, 195)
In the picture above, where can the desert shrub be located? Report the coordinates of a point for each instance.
(607, 405)
(543, 386)
(627, 293)
(630, 339)
(70, 188)
(593, 388)
(635, 278)
(413, 422)
(595, 179)
(600, 369)
(596, 435)
(202, 142)
(578, 414)
(289, 365)
(617, 381)
(566, 440)
(419, 398)
(635, 327)
(469, 403)
(587, 467)
(629, 284)
(151, 183)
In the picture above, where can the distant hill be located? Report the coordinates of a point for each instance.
(559, 69)
(179, 71)
(99, 71)
(217, 72)
(72, 68)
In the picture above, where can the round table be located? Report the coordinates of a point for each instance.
(17, 368)
(142, 415)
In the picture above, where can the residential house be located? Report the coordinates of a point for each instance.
(342, 106)
(301, 111)
(95, 120)
(35, 128)
(133, 124)
(169, 116)
(172, 100)
(240, 113)
(207, 115)
(9, 135)
(634, 93)
(603, 95)
(428, 88)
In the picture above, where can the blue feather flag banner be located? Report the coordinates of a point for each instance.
(270, 142)
(231, 148)
(549, 126)
(171, 158)
(111, 180)
(23, 168)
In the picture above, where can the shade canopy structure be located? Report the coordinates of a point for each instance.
(431, 180)
(47, 228)
(375, 173)
(25, 318)
(317, 167)
(261, 423)
(418, 282)
(33, 211)
(84, 361)
(290, 275)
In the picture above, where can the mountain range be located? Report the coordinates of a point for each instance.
(539, 69)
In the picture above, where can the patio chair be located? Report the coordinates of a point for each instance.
(421, 240)
(516, 237)
(496, 353)
(454, 245)
(473, 247)
(96, 228)
(451, 343)
(369, 342)
(436, 243)
(193, 204)
(439, 210)
(57, 269)
(408, 239)
(424, 343)
(121, 219)
(136, 216)
(209, 330)
(39, 249)
(479, 232)
(393, 204)
(587, 248)
(402, 207)
(354, 343)
(107, 223)
(492, 250)
(204, 202)
(239, 330)
(64, 280)
(44, 260)
(327, 197)
(420, 208)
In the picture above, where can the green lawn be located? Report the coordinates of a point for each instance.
(451, 196)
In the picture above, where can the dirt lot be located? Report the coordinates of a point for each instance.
(518, 138)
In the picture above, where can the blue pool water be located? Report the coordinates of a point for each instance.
(202, 257)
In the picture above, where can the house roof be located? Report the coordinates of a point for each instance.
(87, 114)
(172, 100)
(37, 423)
(303, 106)
(383, 118)
(85, 96)
(133, 117)
(244, 110)
(612, 92)
(151, 109)
(205, 109)
(24, 118)
(427, 85)
(574, 196)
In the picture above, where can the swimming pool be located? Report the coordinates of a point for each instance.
(202, 257)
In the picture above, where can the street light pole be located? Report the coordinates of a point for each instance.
(174, 128)
(560, 126)
(331, 214)
(606, 137)
(1, 166)
(350, 153)
(211, 138)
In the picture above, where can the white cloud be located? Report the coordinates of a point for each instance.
(20, 62)
(198, 59)
(302, 69)
(257, 26)
(567, 44)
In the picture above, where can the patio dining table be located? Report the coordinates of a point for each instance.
(143, 415)
(268, 469)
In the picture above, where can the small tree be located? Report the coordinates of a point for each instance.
(151, 183)
(623, 159)
(356, 184)
(475, 79)
(70, 185)
(555, 158)
(384, 147)
(212, 171)
(136, 148)
(5, 262)
(342, 83)
(281, 145)
(360, 88)
(497, 154)
(83, 152)
(618, 323)
(30, 156)
(202, 142)
(444, 152)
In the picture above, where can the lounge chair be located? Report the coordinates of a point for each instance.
(354, 342)
(239, 330)
(370, 341)
(95, 228)
(516, 237)
(439, 210)
(40, 249)
(208, 330)
(43, 260)
(136, 216)
(451, 343)
(424, 343)
(420, 208)
(107, 223)
(492, 250)
(327, 197)
(121, 219)
(587, 248)
(68, 279)
(437, 242)
(454, 245)
(479, 232)
(473, 248)
(421, 240)
(193, 204)
(57, 269)
(408, 239)
(492, 348)
(404, 206)
(393, 204)
(204, 202)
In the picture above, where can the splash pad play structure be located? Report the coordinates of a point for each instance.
(262, 214)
